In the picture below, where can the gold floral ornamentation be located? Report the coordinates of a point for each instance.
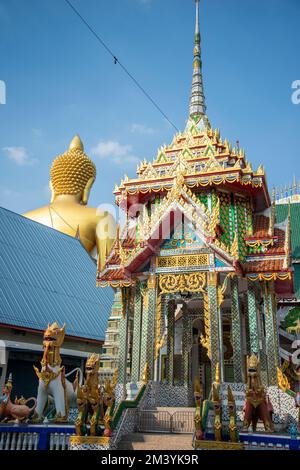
(89, 440)
(158, 327)
(215, 218)
(222, 289)
(116, 284)
(283, 381)
(205, 339)
(235, 247)
(183, 261)
(47, 375)
(259, 243)
(172, 283)
(270, 277)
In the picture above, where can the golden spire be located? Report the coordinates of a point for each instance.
(197, 100)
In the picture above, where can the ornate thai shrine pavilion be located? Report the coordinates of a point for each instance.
(199, 261)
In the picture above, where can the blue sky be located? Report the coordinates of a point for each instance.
(61, 82)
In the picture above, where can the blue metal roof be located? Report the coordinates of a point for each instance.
(47, 276)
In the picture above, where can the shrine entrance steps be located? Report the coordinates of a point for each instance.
(139, 441)
(166, 420)
(163, 429)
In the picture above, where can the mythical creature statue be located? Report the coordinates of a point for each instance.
(109, 399)
(14, 411)
(257, 406)
(52, 378)
(218, 412)
(94, 404)
(89, 400)
(233, 432)
(289, 376)
(198, 417)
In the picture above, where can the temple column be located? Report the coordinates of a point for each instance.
(252, 318)
(186, 344)
(137, 326)
(261, 337)
(171, 342)
(161, 304)
(123, 347)
(216, 340)
(272, 352)
(148, 328)
(238, 364)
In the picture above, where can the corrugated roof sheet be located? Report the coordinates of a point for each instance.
(47, 276)
(281, 215)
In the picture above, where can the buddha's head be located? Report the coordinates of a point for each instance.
(73, 173)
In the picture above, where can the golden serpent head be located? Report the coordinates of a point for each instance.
(73, 172)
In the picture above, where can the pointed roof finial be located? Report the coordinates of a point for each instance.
(197, 100)
(76, 143)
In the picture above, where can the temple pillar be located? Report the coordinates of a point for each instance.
(123, 346)
(216, 340)
(261, 337)
(148, 328)
(171, 341)
(272, 352)
(186, 344)
(137, 326)
(252, 318)
(236, 331)
(160, 315)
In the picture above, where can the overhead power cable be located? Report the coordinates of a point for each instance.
(117, 61)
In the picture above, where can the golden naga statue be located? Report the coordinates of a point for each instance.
(199, 434)
(71, 178)
(218, 412)
(233, 431)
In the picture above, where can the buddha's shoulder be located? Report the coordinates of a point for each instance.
(98, 215)
(37, 214)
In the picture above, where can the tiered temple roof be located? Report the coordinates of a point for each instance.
(200, 176)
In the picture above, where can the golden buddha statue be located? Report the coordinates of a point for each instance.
(71, 178)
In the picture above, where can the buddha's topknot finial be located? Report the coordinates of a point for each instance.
(76, 143)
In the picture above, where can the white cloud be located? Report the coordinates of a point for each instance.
(115, 152)
(142, 129)
(19, 155)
